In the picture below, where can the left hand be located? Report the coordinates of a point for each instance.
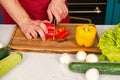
(57, 8)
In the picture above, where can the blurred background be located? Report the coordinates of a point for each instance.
(93, 11)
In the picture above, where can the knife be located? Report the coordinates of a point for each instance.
(54, 22)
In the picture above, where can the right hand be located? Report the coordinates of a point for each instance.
(57, 8)
(33, 28)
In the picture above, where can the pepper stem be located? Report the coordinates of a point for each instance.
(86, 29)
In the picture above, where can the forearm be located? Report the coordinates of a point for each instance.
(61, 0)
(15, 10)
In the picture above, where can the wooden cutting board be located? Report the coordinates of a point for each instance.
(20, 42)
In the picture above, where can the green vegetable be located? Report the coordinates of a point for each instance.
(103, 68)
(9, 62)
(4, 52)
(102, 58)
(109, 43)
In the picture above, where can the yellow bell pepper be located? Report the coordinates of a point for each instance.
(85, 35)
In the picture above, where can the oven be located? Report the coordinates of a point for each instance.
(87, 11)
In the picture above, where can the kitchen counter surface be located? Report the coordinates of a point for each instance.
(43, 66)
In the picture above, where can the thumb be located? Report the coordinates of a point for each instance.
(50, 16)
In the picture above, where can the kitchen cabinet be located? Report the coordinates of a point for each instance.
(113, 12)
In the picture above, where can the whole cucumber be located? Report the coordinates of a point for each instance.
(103, 67)
(4, 52)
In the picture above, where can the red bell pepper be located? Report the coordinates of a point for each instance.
(59, 32)
(50, 28)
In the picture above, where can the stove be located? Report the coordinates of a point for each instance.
(87, 11)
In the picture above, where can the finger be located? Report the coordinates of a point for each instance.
(26, 33)
(28, 36)
(66, 12)
(50, 16)
(41, 33)
(57, 13)
(58, 18)
(34, 34)
(43, 27)
(62, 11)
(46, 21)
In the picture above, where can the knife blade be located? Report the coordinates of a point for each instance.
(54, 22)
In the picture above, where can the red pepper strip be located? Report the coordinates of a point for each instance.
(63, 35)
(61, 32)
(49, 35)
(50, 28)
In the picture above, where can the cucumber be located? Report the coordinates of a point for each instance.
(4, 52)
(103, 67)
(9, 62)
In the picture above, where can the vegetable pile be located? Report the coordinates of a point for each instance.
(83, 63)
(109, 44)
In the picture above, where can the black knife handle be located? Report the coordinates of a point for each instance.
(54, 20)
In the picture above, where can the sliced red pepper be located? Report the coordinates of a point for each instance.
(50, 28)
(61, 32)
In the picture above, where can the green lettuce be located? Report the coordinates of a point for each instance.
(102, 58)
(109, 43)
(116, 31)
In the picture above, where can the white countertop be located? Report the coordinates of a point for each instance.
(6, 33)
(41, 66)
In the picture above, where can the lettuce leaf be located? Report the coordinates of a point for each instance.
(116, 31)
(102, 58)
(109, 43)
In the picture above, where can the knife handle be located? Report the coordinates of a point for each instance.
(54, 20)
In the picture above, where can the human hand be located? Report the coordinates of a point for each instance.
(33, 28)
(57, 8)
